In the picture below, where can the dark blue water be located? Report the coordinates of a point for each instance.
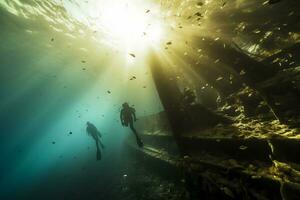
(54, 78)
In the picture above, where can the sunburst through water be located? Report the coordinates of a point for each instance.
(68, 62)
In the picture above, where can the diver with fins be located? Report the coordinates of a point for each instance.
(96, 135)
(127, 116)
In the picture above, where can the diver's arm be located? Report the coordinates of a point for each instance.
(99, 134)
(121, 117)
(133, 113)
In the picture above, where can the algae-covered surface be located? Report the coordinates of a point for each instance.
(249, 128)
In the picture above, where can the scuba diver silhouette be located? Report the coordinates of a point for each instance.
(127, 116)
(96, 135)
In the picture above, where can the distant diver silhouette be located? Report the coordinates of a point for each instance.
(127, 115)
(96, 135)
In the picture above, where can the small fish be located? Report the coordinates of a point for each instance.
(132, 78)
(199, 4)
(243, 147)
(198, 14)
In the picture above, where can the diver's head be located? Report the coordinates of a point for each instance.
(125, 105)
(88, 123)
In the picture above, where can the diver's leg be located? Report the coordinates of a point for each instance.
(101, 144)
(97, 144)
(98, 155)
(138, 139)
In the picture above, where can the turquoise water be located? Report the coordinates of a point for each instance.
(54, 78)
(66, 62)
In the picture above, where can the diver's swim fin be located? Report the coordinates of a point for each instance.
(98, 155)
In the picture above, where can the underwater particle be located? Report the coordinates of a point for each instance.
(52, 39)
(147, 11)
(198, 14)
(219, 78)
(199, 4)
(70, 133)
(243, 147)
(228, 192)
(291, 13)
(242, 72)
(133, 55)
(125, 176)
(169, 43)
(144, 86)
(84, 68)
(256, 31)
(132, 78)
(108, 91)
(223, 4)
(53, 142)
(83, 61)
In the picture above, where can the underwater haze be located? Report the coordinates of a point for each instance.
(149, 99)
(54, 78)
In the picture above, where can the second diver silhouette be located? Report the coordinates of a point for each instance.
(96, 135)
(127, 116)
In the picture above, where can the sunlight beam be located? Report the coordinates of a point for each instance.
(129, 25)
